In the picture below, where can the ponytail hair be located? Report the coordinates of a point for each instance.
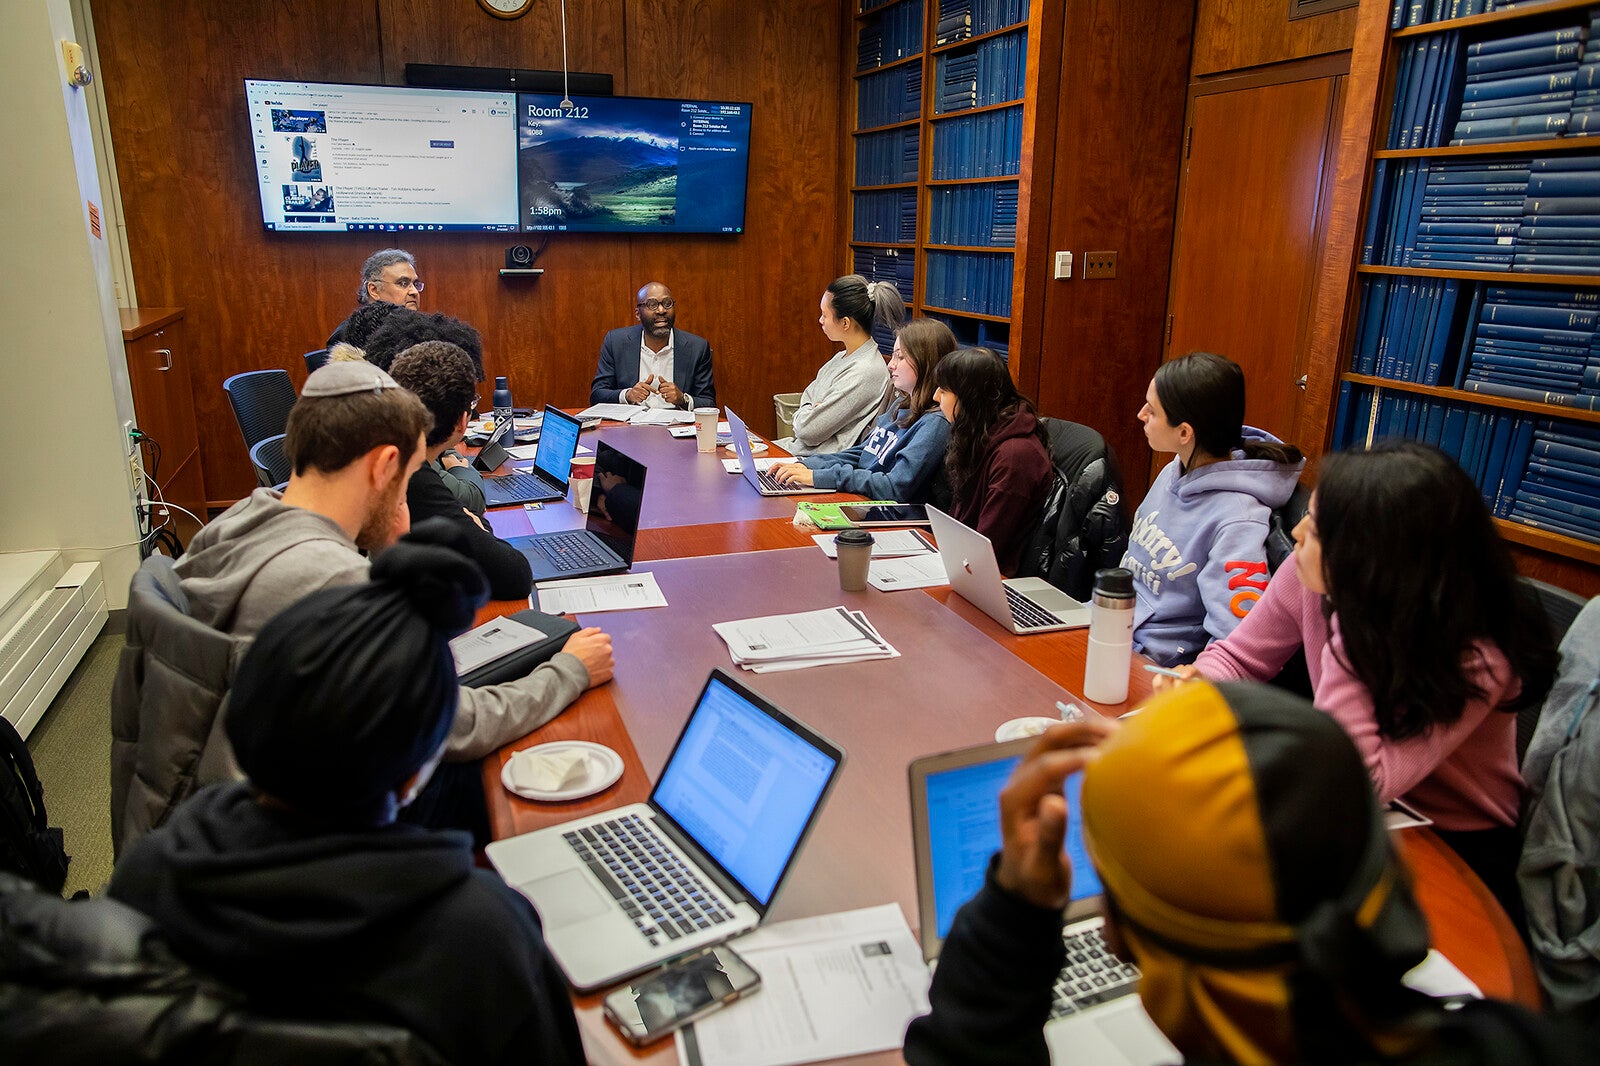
(1207, 391)
(867, 303)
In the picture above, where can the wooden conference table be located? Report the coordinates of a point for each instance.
(719, 552)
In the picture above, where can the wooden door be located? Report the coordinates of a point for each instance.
(1251, 204)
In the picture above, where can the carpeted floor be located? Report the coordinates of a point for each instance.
(71, 748)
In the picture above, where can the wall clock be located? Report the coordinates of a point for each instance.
(506, 9)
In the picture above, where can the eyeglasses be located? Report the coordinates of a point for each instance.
(472, 409)
(407, 284)
(657, 305)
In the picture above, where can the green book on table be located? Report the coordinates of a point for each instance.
(826, 516)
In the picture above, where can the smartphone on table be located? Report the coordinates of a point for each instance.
(686, 989)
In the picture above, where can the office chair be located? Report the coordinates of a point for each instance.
(316, 360)
(1560, 608)
(261, 401)
(272, 465)
(1084, 524)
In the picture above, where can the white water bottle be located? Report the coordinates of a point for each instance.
(1105, 674)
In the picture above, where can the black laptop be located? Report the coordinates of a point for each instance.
(605, 544)
(552, 463)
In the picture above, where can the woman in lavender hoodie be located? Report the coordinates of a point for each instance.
(1417, 641)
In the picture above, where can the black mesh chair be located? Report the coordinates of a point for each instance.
(1560, 608)
(272, 465)
(261, 401)
(316, 360)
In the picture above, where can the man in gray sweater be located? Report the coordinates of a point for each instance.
(355, 438)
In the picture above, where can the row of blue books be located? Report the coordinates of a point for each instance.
(1419, 12)
(977, 333)
(1560, 228)
(960, 19)
(991, 73)
(1534, 344)
(1427, 91)
(979, 282)
(973, 214)
(1522, 87)
(894, 34)
(894, 265)
(889, 157)
(1492, 446)
(888, 97)
(888, 217)
(1586, 101)
(1560, 489)
(1408, 329)
(985, 145)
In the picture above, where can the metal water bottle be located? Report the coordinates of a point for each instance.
(1105, 675)
(502, 401)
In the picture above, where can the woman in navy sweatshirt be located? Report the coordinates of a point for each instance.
(997, 461)
(900, 457)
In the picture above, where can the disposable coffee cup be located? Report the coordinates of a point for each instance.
(705, 429)
(855, 556)
(580, 483)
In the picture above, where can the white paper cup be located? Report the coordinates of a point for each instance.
(705, 429)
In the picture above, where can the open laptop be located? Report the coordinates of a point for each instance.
(1021, 604)
(761, 480)
(605, 544)
(1096, 1015)
(552, 462)
(699, 863)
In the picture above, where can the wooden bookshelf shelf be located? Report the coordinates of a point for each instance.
(1504, 277)
(1544, 540)
(965, 314)
(882, 188)
(975, 38)
(891, 126)
(972, 181)
(1482, 399)
(1491, 18)
(980, 109)
(1001, 248)
(915, 57)
(880, 244)
(1552, 144)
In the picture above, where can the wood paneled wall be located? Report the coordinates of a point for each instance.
(1235, 34)
(174, 72)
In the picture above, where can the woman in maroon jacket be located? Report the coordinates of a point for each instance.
(998, 465)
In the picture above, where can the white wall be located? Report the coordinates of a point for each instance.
(64, 394)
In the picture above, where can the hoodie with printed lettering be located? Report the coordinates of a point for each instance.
(1198, 550)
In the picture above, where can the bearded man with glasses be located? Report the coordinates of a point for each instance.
(653, 364)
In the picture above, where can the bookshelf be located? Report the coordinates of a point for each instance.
(1473, 307)
(943, 95)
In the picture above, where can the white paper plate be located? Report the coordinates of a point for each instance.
(1018, 728)
(605, 766)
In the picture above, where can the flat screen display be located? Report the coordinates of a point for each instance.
(369, 157)
(630, 164)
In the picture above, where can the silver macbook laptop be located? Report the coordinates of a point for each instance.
(761, 480)
(552, 463)
(1021, 604)
(1096, 1015)
(605, 544)
(699, 863)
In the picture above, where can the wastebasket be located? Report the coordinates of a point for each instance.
(784, 405)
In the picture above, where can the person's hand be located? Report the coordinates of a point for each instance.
(639, 393)
(1033, 812)
(609, 479)
(402, 521)
(792, 474)
(450, 460)
(671, 393)
(1161, 682)
(592, 646)
(476, 520)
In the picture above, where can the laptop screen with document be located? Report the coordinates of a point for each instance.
(745, 784)
(558, 443)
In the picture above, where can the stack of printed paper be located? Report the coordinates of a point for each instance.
(809, 638)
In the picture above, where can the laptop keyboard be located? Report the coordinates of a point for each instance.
(519, 484)
(648, 880)
(1092, 974)
(570, 551)
(770, 482)
(1026, 613)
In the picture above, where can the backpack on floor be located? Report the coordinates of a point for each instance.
(28, 846)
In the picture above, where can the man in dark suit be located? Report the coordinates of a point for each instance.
(653, 364)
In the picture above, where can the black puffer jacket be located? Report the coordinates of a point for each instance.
(94, 982)
(1085, 522)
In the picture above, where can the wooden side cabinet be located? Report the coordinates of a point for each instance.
(158, 372)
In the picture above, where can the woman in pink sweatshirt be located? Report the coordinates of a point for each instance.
(1417, 641)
